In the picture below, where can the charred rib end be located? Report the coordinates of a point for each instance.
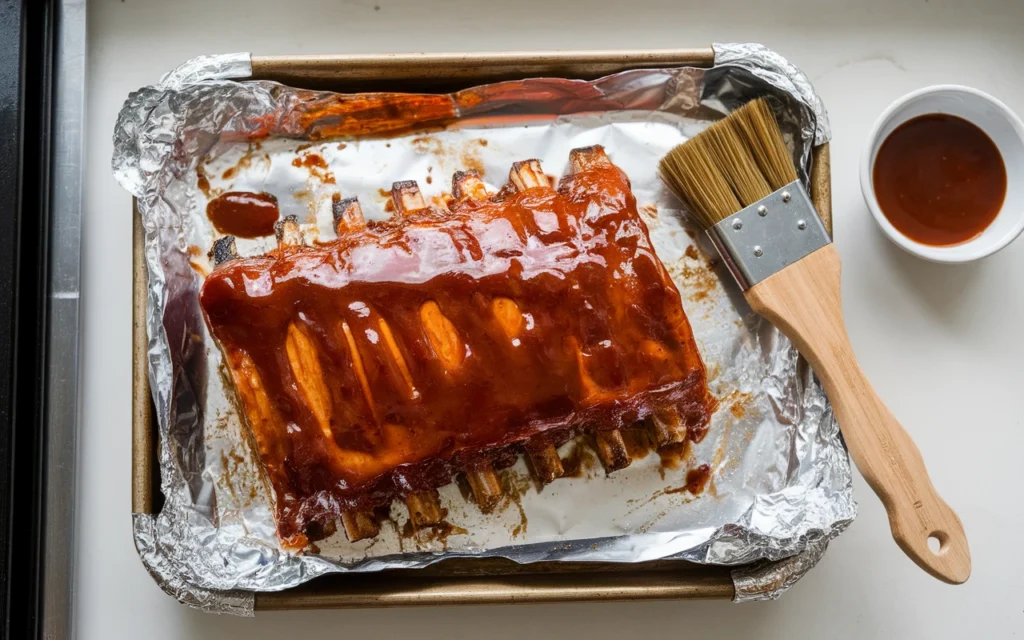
(667, 428)
(424, 508)
(611, 449)
(528, 174)
(223, 250)
(588, 158)
(486, 487)
(467, 185)
(359, 525)
(288, 231)
(407, 197)
(347, 214)
(547, 466)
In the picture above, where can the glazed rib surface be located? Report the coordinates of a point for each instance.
(379, 364)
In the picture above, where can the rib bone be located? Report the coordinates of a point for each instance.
(407, 197)
(545, 460)
(587, 158)
(305, 366)
(288, 232)
(397, 357)
(359, 525)
(424, 508)
(443, 336)
(611, 447)
(547, 466)
(357, 366)
(507, 313)
(668, 427)
(467, 186)
(527, 174)
(485, 485)
(348, 215)
(223, 250)
(447, 345)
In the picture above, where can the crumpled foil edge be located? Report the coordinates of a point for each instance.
(168, 576)
(767, 580)
(780, 72)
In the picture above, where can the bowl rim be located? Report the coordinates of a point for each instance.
(953, 253)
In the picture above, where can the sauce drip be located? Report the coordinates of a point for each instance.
(939, 179)
(243, 214)
(697, 479)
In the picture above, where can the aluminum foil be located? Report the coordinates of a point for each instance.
(781, 481)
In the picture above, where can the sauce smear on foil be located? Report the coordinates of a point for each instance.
(244, 214)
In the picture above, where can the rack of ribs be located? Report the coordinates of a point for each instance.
(379, 365)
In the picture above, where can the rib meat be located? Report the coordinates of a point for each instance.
(444, 341)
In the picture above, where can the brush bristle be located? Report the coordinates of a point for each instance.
(757, 125)
(736, 162)
(690, 172)
(733, 159)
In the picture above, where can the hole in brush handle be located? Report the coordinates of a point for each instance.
(938, 542)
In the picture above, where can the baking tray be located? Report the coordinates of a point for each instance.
(459, 580)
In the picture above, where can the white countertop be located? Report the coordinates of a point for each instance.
(942, 344)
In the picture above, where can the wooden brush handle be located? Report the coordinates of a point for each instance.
(804, 302)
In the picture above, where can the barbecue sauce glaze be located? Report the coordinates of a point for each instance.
(596, 339)
(243, 214)
(939, 179)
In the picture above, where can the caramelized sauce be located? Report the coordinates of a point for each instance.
(243, 214)
(939, 179)
(406, 373)
(309, 161)
(432, 533)
(697, 478)
(580, 461)
(674, 456)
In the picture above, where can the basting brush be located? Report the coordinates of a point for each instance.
(738, 181)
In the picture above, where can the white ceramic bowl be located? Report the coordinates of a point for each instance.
(998, 122)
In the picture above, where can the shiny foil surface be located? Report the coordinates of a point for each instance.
(780, 484)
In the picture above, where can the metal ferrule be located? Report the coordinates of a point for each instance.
(769, 235)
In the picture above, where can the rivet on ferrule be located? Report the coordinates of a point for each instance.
(758, 252)
(801, 224)
(785, 196)
(737, 225)
(762, 211)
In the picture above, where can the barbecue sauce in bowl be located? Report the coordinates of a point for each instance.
(939, 179)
